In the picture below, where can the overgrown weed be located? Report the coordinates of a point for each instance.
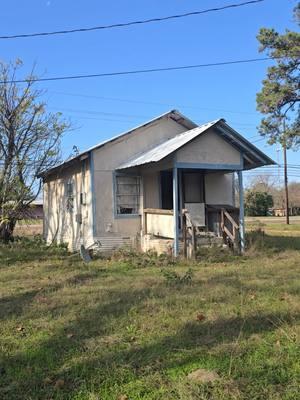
(137, 259)
(172, 278)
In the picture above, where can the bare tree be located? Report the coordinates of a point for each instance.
(264, 183)
(294, 192)
(29, 144)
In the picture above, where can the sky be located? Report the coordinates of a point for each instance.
(100, 108)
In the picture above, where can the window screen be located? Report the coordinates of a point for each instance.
(127, 194)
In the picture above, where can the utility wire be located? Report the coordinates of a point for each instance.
(131, 23)
(138, 71)
(132, 116)
(155, 103)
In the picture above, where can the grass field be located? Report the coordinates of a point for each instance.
(123, 329)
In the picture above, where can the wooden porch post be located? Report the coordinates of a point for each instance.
(175, 211)
(242, 212)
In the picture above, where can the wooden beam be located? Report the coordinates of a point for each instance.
(158, 211)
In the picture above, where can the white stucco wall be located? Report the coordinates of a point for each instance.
(209, 148)
(60, 224)
(108, 158)
(219, 189)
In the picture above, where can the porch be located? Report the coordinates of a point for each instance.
(196, 208)
(159, 230)
(188, 188)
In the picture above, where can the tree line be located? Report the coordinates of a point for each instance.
(263, 196)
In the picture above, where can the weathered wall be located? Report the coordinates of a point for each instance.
(60, 224)
(209, 148)
(151, 184)
(219, 188)
(108, 158)
(114, 230)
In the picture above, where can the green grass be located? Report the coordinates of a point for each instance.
(121, 327)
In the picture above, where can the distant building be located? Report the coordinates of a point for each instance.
(35, 210)
(280, 212)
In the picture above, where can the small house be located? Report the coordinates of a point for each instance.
(167, 185)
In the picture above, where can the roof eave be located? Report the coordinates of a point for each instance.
(181, 119)
(246, 145)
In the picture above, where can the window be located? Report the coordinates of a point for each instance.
(70, 195)
(127, 194)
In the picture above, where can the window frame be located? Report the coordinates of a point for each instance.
(70, 195)
(115, 194)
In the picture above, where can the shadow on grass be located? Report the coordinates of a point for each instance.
(283, 242)
(13, 256)
(51, 358)
(262, 241)
(15, 304)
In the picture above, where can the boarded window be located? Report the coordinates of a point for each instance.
(127, 194)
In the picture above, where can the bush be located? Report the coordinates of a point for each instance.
(214, 254)
(255, 240)
(142, 260)
(257, 203)
(174, 279)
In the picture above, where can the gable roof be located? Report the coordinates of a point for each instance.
(253, 156)
(168, 147)
(172, 114)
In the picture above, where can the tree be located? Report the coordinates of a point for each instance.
(279, 98)
(294, 191)
(29, 144)
(257, 203)
(263, 183)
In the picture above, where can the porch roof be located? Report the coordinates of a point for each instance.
(253, 157)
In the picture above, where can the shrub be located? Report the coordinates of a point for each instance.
(142, 260)
(214, 254)
(255, 240)
(174, 279)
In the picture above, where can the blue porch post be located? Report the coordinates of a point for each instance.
(242, 212)
(175, 211)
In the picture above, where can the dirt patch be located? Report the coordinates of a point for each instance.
(203, 376)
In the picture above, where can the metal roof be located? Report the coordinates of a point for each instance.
(252, 154)
(169, 146)
(173, 114)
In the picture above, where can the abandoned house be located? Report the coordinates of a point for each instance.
(167, 185)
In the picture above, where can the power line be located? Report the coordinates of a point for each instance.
(92, 112)
(131, 116)
(138, 71)
(155, 103)
(131, 23)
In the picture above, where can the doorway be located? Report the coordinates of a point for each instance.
(193, 187)
(166, 190)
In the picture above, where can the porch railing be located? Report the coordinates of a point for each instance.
(158, 222)
(230, 229)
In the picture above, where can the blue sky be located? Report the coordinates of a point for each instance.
(102, 107)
